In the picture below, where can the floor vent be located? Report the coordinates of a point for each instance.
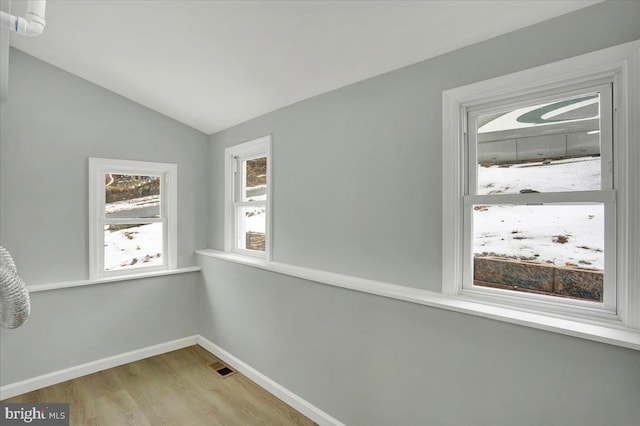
(222, 369)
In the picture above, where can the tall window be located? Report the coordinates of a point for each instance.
(133, 217)
(248, 186)
(539, 203)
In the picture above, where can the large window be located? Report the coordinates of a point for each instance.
(539, 203)
(133, 217)
(539, 189)
(247, 197)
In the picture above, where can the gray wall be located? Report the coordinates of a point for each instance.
(357, 190)
(73, 326)
(368, 360)
(357, 171)
(51, 123)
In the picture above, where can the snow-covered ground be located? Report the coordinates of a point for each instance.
(558, 234)
(255, 219)
(132, 205)
(136, 247)
(571, 174)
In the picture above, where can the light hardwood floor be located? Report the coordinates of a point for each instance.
(176, 388)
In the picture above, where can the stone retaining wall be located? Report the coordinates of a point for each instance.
(255, 241)
(538, 277)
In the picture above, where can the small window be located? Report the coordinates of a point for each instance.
(133, 217)
(248, 186)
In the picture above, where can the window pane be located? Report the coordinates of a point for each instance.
(132, 196)
(552, 249)
(255, 177)
(545, 147)
(252, 225)
(133, 246)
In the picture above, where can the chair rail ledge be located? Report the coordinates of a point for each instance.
(609, 332)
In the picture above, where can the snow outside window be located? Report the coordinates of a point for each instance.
(540, 193)
(248, 186)
(539, 215)
(133, 217)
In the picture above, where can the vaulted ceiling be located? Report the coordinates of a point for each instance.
(214, 64)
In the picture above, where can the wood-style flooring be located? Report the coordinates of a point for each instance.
(176, 388)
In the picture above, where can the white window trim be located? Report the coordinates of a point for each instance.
(255, 148)
(620, 64)
(168, 173)
(606, 196)
(34, 288)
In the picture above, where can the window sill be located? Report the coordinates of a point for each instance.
(606, 332)
(81, 283)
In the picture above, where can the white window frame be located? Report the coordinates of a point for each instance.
(619, 65)
(606, 196)
(168, 174)
(234, 157)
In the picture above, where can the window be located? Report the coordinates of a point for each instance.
(536, 189)
(539, 203)
(133, 213)
(248, 186)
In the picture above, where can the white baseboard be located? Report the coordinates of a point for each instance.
(277, 390)
(39, 382)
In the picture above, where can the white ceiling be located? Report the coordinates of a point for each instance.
(214, 64)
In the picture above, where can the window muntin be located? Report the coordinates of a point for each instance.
(539, 203)
(248, 170)
(133, 217)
